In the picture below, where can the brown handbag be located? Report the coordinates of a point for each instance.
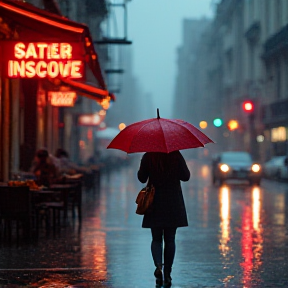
(144, 199)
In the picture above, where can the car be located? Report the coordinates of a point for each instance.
(235, 165)
(275, 168)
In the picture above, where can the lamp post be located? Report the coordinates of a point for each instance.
(253, 136)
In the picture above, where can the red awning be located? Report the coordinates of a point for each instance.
(34, 24)
(87, 89)
(46, 24)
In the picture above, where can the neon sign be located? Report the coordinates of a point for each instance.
(91, 119)
(43, 60)
(62, 99)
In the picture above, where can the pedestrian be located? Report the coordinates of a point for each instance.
(168, 212)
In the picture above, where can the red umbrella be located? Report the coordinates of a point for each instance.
(159, 135)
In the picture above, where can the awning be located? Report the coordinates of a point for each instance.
(44, 24)
(34, 24)
(87, 89)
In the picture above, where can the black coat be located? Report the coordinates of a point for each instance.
(165, 172)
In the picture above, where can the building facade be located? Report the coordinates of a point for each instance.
(243, 56)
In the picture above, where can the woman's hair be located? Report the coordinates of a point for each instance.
(164, 164)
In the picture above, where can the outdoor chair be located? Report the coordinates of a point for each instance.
(46, 205)
(75, 195)
(68, 198)
(15, 210)
(75, 199)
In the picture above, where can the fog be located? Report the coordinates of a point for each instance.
(155, 27)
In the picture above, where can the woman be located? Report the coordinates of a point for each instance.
(168, 211)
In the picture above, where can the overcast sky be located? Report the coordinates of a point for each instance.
(155, 27)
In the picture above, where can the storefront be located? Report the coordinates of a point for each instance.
(274, 111)
(46, 61)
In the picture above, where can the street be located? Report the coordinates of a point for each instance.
(237, 237)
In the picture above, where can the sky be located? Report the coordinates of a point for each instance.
(155, 28)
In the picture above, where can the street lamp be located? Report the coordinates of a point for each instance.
(232, 125)
(203, 124)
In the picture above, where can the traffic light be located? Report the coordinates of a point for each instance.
(232, 125)
(217, 122)
(248, 106)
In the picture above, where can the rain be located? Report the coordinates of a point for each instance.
(88, 87)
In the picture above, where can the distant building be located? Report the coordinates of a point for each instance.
(188, 72)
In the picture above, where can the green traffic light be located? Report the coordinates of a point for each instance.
(217, 122)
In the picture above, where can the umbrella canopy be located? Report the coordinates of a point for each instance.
(159, 135)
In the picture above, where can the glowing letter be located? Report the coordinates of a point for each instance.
(76, 69)
(53, 69)
(53, 51)
(10, 68)
(41, 47)
(65, 68)
(65, 51)
(40, 73)
(19, 69)
(30, 69)
(19, 50)
(31, 51)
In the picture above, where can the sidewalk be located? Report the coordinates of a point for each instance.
(109, 249)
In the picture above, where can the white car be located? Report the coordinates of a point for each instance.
(275, 168)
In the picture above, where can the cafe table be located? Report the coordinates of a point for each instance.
(73, 196)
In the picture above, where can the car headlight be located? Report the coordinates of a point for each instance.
(256, 168)
(224, 168)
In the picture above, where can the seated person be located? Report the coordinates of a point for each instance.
(66, 166)
(44, 170)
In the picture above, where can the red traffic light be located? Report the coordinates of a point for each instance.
(248, 106)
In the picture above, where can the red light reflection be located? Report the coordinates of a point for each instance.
(252, 241)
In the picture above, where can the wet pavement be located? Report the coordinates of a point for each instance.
(237, 237)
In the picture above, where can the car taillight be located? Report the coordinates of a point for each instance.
(224, 168)
(256, 168)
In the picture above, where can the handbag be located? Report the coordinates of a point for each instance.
(144, 199)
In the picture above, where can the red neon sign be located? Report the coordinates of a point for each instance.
(53, 60)
(62, 99)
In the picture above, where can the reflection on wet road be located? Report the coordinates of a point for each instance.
(237, 237)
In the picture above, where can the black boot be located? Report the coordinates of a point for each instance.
(159, 276)
(167, 278)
